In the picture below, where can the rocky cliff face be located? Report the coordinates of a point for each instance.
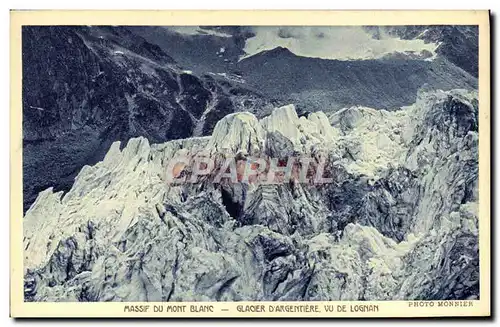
(86, 87)
(398, 220)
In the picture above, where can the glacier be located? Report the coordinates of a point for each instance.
(398, 222)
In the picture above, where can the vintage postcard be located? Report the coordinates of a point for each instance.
(250, 164)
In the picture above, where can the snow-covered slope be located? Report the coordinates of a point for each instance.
(334, 42)
(399, 220)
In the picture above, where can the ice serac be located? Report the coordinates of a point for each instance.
(373, 139)
(399, 220)
(237, 132)
(305, 134)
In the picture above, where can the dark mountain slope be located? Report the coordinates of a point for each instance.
(202, 52)
(323, 84)
(316, 84)
(85, 87)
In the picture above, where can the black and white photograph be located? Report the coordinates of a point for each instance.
(285, 164)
